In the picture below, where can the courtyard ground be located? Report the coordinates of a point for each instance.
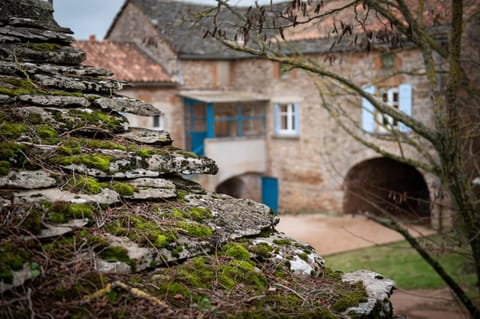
(334, 234)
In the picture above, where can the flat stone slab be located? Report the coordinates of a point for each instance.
(235, 217)
(28, 180)
(107, 197)
(148, 136)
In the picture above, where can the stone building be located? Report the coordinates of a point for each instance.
(98, 219)
(264, 125)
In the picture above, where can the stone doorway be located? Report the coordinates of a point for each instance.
(248, 185)
(383, 183)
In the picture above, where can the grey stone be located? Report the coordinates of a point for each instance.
(20, 53)
(379, 290)
(123, 104)
(77, 84)
(6, 99)
(153, 188)
(235, 217)
(59, 229)
(182, 164)
(19, 278)
(55, 100)
(106, 197)
(148, 136)
(27, 180)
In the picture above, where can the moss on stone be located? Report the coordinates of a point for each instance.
(240, 272)
(13, 130)
(196, 230)
(4, 168)
(13, 153)
(61, 211)
(355, 295)
(198, 214)
(303, 256)
(45, 131)
(12, 258)
(196, 273)
(261, 250)
(123, 189)
(142, 231)
(85, 184)
(98, 161)
(98, 118)
(237, 251)
(145, 152)
(181, 195)
(15, 86)
(32, 222)
(117, 253)
(34, 118)
(284, 242)
(44, 46)
(177, 250)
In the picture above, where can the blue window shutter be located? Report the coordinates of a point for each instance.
(368, 111)
(405, 104)
(276, 117)
(296, 117)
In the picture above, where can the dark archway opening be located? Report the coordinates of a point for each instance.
(383, 183)
(234, 187)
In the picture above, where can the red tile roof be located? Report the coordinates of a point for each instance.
(125, 60)
(436, 12)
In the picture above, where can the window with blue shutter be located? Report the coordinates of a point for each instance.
(399, 98)
(368, 112)
(405, 104)
(286, 118)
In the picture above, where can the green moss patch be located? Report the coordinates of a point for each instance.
(4, 168)
(123, 189)
(89, 117)
(86, 185)
(12, 258)
(195, 229)
(351, 295)
(98, 161)
(237, 251)
(117, 253)
(12, 130)
(13, 153)
(61, 212)
(45, 46)
(261, 250)
(45, 131)
(142, 231)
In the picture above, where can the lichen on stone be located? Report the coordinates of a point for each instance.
(100, 220)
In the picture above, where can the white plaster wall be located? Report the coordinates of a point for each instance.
(236, 156)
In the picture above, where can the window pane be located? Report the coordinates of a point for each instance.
(253, 127)
(156, 121)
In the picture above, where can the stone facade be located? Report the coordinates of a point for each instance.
(100, 219)
(311, 167)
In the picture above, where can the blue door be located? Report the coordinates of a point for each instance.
(198, 144)
(270, 192)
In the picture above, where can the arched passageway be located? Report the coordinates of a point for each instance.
(233, 186)
(248, 185)
(385, 184)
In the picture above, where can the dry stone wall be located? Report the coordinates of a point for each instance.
(100, 220)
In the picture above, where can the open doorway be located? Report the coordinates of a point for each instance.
(383, 183)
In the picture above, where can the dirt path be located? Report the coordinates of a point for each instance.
(332, 234)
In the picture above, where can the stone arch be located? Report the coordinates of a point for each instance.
(248, 185)
(383, 182)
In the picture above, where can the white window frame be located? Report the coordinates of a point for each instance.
(371, 121)
(291, 114)
(157, 119)
(385, 123)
